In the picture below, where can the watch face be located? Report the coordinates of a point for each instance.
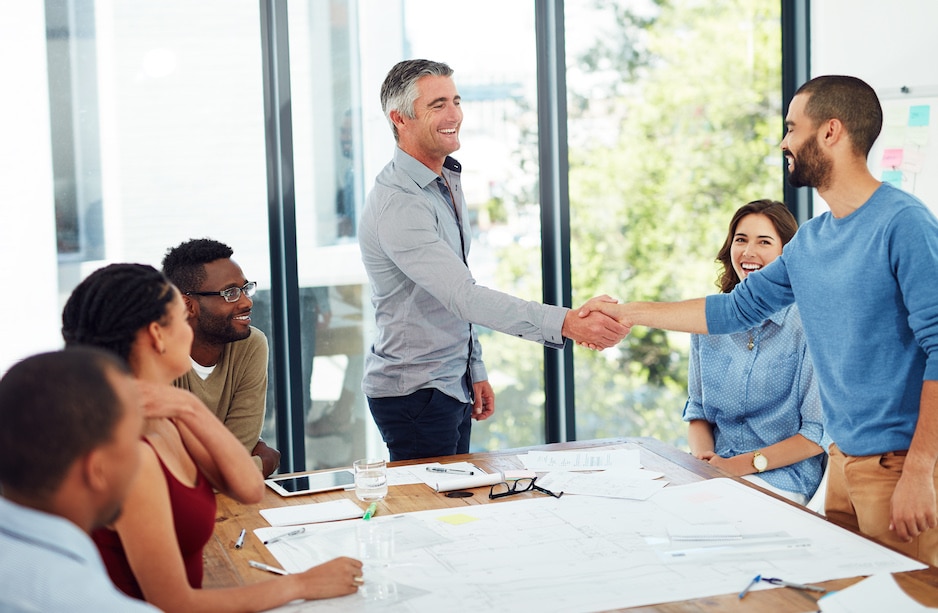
(760, 462)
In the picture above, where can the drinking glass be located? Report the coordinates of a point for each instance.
(371, 479)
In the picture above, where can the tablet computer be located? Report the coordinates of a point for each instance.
(295, 485)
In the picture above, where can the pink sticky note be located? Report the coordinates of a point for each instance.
(892, 158)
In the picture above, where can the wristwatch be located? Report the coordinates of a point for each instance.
(759, 462)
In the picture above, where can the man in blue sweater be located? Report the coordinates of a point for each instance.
(863, 277)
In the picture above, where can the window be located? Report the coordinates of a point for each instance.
(674, 119)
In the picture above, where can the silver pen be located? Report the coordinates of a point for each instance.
(283, 536)
(450, 471)
(267, 567)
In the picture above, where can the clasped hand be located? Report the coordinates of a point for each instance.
(596, 324)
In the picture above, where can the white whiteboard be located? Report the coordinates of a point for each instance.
(906, 152)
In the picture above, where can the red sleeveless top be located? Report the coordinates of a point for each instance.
(194, 520)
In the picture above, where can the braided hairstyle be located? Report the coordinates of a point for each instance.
(108, 308)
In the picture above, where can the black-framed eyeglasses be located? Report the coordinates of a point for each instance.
(500, 490)
(232, 294)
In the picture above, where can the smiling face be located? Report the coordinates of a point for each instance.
(217, 321)
(808, 166)
(756, 243)
(433, 133)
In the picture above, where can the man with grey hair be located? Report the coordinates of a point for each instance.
(424, 376)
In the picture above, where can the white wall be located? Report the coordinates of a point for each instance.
(29, 315)
(887, 44)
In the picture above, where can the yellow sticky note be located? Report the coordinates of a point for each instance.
(457, 519)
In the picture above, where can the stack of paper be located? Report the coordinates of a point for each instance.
(312, 513)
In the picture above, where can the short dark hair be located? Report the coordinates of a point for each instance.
(850, 100)
(184, 264)
(55, 408)
(784, 222)
(111, 304)
(399, 90)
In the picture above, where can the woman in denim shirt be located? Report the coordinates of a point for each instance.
(753, 407)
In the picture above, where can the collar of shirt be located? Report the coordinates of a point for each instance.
(46, 531)
(778, 318)
(420, 174)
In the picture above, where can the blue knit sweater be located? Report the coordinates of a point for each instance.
(867, 289)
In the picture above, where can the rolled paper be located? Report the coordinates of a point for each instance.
(469, 482)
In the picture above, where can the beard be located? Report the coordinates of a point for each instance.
(219, 329)
(810, 168)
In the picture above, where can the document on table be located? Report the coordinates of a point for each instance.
(637, 484)
(580, 554)
(544, 461)
(311, 513)
(418, 473)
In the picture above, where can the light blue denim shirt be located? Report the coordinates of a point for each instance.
(47, 563)
(423, 292)
(757, 397)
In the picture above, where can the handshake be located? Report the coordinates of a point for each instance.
(598, 324)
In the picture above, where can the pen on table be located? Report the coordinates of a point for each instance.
(797, 586)
(267, 567)
(755, 580)
(283, 536)
(371, 511)
(452, 471)
(240, 542)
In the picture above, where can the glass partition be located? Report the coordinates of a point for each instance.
(157, 133)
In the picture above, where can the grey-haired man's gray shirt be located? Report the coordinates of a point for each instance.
(423, 292)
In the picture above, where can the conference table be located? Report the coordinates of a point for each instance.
(226, 566)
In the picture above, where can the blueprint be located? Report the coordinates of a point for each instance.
(587, 553)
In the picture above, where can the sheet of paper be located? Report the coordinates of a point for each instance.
(637, 484)
(543, 461)
(312, 513)
(418, 473)
(584, 553)
(877, 593)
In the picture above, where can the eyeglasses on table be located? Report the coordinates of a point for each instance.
(500, 490)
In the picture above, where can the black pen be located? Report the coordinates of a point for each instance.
(450, 471)
(797, 586)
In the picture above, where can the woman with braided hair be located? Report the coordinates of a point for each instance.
(134, 311)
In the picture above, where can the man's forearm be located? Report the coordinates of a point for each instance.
(686, 316)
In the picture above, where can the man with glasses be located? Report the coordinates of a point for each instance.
(229, 355)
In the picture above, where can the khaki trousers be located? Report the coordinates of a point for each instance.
(859, 493)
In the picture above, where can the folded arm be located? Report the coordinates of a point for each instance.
(220, 456)
(147, 531)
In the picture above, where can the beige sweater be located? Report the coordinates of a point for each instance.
(236, 391)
